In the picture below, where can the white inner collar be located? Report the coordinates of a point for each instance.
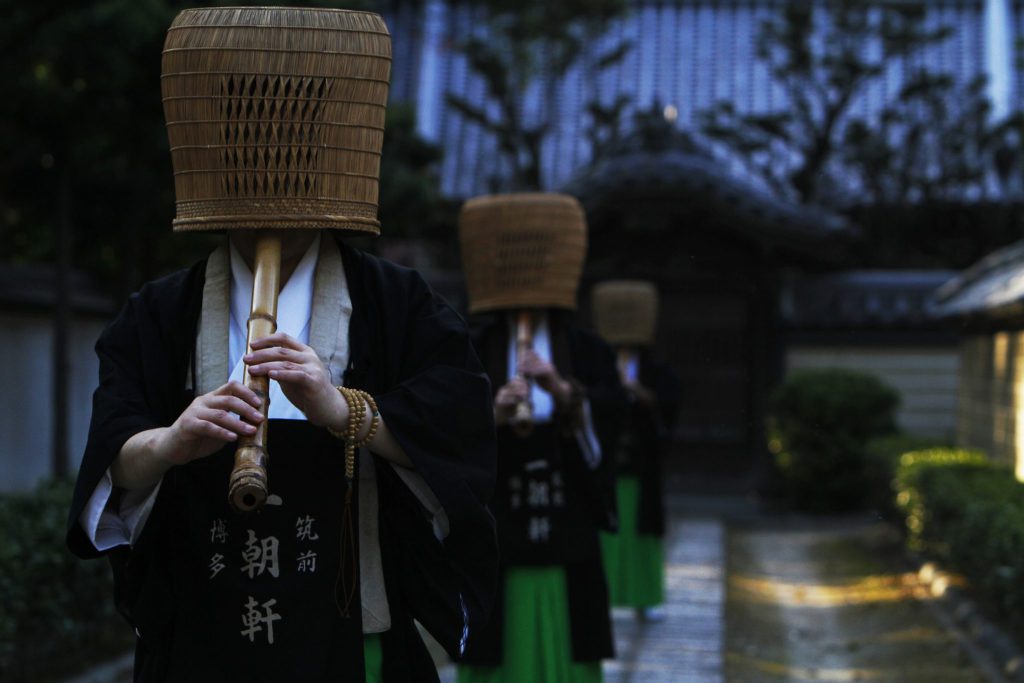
(543, 403)
(294, 312)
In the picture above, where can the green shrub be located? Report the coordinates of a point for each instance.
(969, 513)
(56, 611)
(932, 471)
(819, 424)
(881, 460)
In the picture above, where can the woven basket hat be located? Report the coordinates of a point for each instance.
(276, 117)
(625, 311)
(522, 250)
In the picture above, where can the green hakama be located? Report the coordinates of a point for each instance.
(537, 645)
(373, 658)
(634, 562)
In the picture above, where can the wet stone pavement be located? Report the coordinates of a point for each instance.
(832, 600)
(685, 647)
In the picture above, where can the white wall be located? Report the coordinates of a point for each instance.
(926, 378)
(26, 395)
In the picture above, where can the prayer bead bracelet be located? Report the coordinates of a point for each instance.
(357, 401)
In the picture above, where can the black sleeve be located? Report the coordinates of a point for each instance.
(119, 411)
(594, 366)
(442, 416)
(441, 412)
(143, 358)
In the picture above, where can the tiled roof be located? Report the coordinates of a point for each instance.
(659, 162)
(862, 299)
(992, 288)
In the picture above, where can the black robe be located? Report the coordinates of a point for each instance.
(645, 439)
(412, 352)
(577, 501)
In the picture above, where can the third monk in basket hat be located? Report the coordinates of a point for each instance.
(625, 314)
(380, 423)
(557, 395)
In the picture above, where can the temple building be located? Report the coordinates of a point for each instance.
(752, 283)
(985, 304)
(685, 56)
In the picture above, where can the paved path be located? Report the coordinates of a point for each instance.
(687, 646)
(829, 600)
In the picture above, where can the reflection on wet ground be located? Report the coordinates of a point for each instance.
(831, 601)
(687, 645)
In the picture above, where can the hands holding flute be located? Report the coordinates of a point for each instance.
(306, 382)
(210, 421)
(516, 390)
(303, 378)
(201, 430)
(640, 393)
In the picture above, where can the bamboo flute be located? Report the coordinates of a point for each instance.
(248, 484)
(626, 356)
(522, 420)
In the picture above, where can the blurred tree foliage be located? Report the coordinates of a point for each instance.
(411, 204)
(523, 46)
(935, 142)
(84, 139)
(83, 133)
(933, 139)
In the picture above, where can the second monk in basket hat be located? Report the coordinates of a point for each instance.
(556, 393)
(380, 429)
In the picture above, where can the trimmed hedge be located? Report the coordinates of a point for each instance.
(56, 611)
(881, 460)
(819, 424)
(969, 513)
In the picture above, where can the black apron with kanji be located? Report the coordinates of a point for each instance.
(541, 517)
(268, 580)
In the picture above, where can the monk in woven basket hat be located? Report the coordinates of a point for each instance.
(557, 398)
(625, 314)
(292, 443)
